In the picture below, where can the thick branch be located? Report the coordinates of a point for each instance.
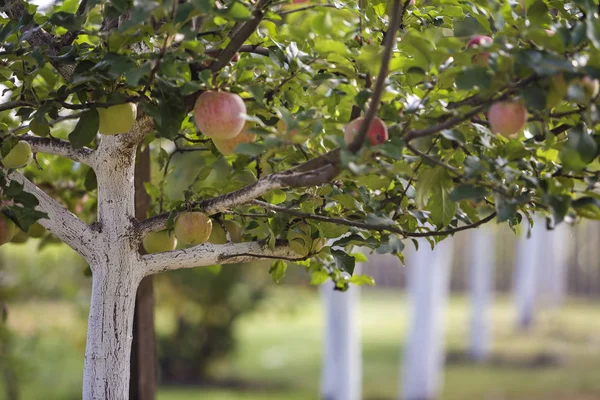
(372, 227)
(211, 254)
(61, 222)
(50, 145)
(247, 194)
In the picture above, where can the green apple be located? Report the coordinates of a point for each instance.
(217, 234)
(193, 228)
(19, 156)
(36, 231)
(39, 129)
(117, 119)
(157, 242)
(19, 236)
(235, 230)
(7, 229)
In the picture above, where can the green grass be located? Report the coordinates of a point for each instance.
(280, 351)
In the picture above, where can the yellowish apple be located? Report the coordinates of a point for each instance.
(217, 235)
(220, 115)
(227, 146)
(36, 231)
(19, 156)
(235, 230)
(157, 242)
(193, 228)
(117, 119)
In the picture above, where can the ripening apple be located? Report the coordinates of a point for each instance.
(507, 118)
(117, 119)
(481, 59)
(377, 134)
(192, 228)
(36, 231)
(235, 230)
(157, 242)
(19, 236)
(282, 127)
(220, 115)
(19, 156)
(7, 229)
(218, 234)
(227, 146)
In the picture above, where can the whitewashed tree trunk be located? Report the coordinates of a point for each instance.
(341, 366)
(428, 285)
(525, 274)
(562, 245)
(481, 288)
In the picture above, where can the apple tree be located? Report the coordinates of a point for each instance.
(366, 122)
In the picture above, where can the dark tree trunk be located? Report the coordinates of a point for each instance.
(142, 385)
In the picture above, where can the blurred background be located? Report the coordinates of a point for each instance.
(510, 318)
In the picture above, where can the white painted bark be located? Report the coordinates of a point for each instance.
(561, 243)
(481, 289)
(525, 274)
(428, 285)
(341, 377)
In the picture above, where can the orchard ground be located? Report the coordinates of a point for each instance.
(279, 351)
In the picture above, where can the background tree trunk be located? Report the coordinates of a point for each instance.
(428, 284)
(525, 278)
(481, 287)
(142, 385)
(342, 363)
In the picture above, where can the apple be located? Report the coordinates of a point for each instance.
(117, 119)
(193, 228)
(218, 234)
(481, 59)
(7, 229)
(39, 129)
(227, 146)
(157, 242)
(235, 230)
(377, 131)
(36, 231)
(507, 118)
(282, 127)
(19, 236)
(19, 156)
(220, 115)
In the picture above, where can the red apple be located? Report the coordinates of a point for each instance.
(377, 131)
(220, 115)
(507, 118)
(7, 229)
(481, 59)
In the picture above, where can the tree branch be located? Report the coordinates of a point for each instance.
(359, 139)
(211, 254)
(60, 222)
(240, 37)
(307, 8)
(50, 145)
(246, 194)
(372, 227)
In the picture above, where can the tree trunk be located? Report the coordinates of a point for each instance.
(110, 328)
(342, 370)
(143, 350)
(428, 284)
(483, 258)
(525, 275)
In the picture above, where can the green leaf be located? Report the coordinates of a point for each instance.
(505, 208)
(390, 244)
(559, 205)
(467, 192)
(86, 129)
(319, 277)
(204, 6)
(587, 207)
(69, 21)
(479, 77)
(579, 150)
(277, 270)
(343, 261)
(362, 280)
